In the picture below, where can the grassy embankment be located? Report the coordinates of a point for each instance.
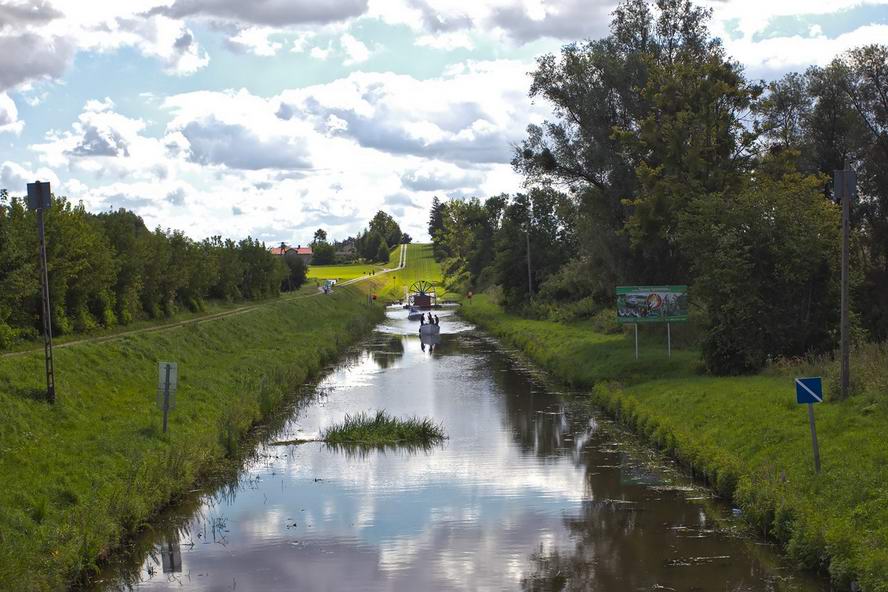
(421, 265)
(746, 436)
(79, 475)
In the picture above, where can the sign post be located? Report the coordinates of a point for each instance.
(810, 391)
(39, 199)
(636, 340)
(669, 340)
(652, 304)
(167, 383)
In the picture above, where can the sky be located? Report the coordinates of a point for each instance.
(272, 118)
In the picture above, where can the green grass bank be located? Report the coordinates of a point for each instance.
(745, 436)
(78, 476)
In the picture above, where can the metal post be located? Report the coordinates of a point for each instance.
(166, 398)
(669, 339)
(636, 341)
(814, 438)
(529, 276)
(844, 184)
(47, 313)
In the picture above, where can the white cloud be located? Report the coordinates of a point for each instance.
(301, 41)
(320, 53)
(256, 41)
(15, 177)
(440, 176)
(38, 40)
(9, 121)
(774, 56)
(516, 20)
(470, 115)
(355, 50)
(376, 141)
(447, 41)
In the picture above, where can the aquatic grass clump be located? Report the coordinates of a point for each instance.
(382, 429)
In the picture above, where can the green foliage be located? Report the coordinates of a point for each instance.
(765, 265)
(108, 269)
(323, 253)
(386, 227)
(295, 272)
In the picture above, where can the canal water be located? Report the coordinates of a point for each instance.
(532, 490)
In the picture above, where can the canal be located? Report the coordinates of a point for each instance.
(533, 490)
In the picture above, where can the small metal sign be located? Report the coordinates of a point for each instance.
(167, 383)
(162, 375)
(39, 196)
(809, 390)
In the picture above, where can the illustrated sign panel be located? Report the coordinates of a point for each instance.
(652, 304)
(809, 390)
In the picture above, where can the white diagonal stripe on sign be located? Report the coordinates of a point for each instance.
(805, 386)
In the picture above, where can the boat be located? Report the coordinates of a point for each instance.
(429, 330)
(414, 314)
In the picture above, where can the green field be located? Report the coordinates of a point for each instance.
(421, 265)
(80, 474)
(746, 436)
(342, 273)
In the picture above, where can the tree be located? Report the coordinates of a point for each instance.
(323, 253)
(371, 245)
(296, 272)
(386, 226)
(765, 265)
(436, 227)
(784, 114)
(537, 219)
(320, 236)
(382, 253)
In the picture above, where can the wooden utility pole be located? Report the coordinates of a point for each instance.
(527, 238)
(529, 273)
(844, 187)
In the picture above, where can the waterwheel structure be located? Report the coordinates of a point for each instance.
(422, 295)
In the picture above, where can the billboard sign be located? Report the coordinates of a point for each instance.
(652, 304)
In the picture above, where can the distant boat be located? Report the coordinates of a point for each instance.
(414, 314)
(429, 330)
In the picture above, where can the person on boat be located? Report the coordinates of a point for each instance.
(437, 322)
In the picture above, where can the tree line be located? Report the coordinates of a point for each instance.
(374, 243)
(663, 163)
(109, 269)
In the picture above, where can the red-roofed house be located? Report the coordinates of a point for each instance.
(304, 253)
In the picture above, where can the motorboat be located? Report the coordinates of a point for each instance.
(414, 314)
(429, 330)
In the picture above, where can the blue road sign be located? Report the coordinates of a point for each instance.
(809, 390)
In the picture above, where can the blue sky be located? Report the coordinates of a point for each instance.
(272, 118)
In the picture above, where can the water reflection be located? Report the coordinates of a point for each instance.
(530, 492)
